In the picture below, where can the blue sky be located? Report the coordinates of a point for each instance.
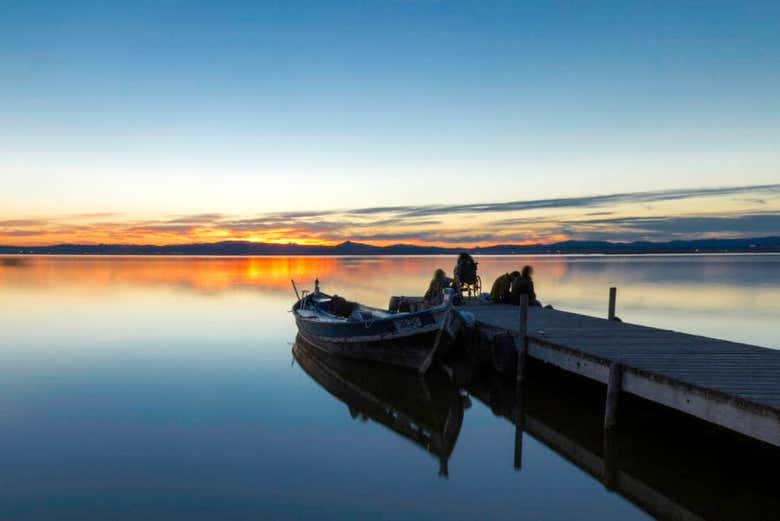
(148, 110)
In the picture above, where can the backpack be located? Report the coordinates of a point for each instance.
(342, 307)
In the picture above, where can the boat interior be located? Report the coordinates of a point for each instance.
(338, 309)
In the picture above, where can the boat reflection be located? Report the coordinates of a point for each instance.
(670, 465)
(427, 410)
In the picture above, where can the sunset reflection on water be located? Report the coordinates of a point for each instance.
(148, 386)
(731, 296)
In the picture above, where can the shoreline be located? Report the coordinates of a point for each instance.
(421, 255)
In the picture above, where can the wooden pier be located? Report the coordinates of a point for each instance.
(733, 385)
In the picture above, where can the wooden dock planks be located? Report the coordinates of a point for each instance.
(731, 384)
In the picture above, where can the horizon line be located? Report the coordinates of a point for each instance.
(388, 246)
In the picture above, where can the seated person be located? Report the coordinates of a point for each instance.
(465, 273)
(434, 295)
(501, 291)
(524, 285)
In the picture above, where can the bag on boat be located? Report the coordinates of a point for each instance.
(342, 307)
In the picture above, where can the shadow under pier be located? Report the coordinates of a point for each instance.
(671, 465)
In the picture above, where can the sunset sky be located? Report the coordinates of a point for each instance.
(415, 121)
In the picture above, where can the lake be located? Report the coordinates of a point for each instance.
(166, 388)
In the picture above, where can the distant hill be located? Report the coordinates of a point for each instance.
(762, 244)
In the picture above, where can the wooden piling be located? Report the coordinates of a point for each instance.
(519, 428)
(524, 315)
(519, 417)
(612, 299)
(522, 341)
(609, 457)
(613, 395)
(522, 355)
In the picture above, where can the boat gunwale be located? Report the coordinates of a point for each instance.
(422, 330)
(336, 320)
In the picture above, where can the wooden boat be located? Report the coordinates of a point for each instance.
(405, 339)
(427, 410)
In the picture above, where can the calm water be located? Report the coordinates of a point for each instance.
(162, 388)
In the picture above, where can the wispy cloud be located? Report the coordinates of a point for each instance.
(21, 233)
(676, 227)
(197, 218)
(577, 202)
(22, 222)
(652, 215)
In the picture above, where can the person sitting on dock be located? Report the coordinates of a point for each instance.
(501, 291)
(440, 281)
(465, 277)
(524, 285)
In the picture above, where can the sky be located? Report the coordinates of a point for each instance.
(415, 121)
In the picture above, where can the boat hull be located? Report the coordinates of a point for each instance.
(415, 352)
(408, 339)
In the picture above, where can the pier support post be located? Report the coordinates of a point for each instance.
(522, 341)
(519, 417)
(522, 355)
(610, 455)
(613, 395)
(519, 428)
(612, 298)
(610, 423)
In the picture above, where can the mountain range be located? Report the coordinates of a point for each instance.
(760, 244)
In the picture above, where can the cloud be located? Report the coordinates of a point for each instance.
(680, 226)
(22, 222)
(196, 218)
(22, 233)
(583, 202)
(586, 201)
(754, 211)
(384, 209)
(169, 228)
(92, 215)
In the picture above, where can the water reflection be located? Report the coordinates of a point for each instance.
(161, 388)
(373, 276)
(427, 411)
(727, 296)
(667, 464)
(670, 465)
(14, 262)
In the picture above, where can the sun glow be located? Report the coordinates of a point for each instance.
(741, 211)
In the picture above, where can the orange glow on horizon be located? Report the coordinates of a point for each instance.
(536, 239)
(679, 217)
(139, 237)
